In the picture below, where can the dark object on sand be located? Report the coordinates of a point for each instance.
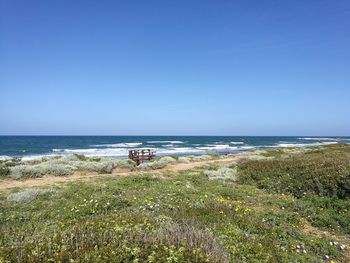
(139, 156)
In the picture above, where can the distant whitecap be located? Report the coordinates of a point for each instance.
(173, 142)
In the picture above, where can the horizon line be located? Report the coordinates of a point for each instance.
(62, 135)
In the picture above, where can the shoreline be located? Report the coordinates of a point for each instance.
(196, 151)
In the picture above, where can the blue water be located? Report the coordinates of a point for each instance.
(118, 146)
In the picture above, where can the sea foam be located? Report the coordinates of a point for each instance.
(319, 139)
(173, 142)
(236, 142)
(217, 147)
(119, 145)
(304, 144)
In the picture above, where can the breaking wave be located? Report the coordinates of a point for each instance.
(118, 145)
(304, 144)
(173, 142)
(319, 139)
(236, 142)
(218, 147)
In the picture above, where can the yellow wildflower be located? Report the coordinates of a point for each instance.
(221, 200)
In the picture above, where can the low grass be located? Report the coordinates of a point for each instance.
(185, 217)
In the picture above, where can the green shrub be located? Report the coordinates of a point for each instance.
(65, 165)
(81, 157)
(184, 159)
(222, 173)
(158, 164)
(101, 167)
(325, 212)
(204, 157)
(25, 171)
(39, 170)
(28, 195)
(197, 158)
(112, 241)
(4, 170)
(56, 169)
(123, 163)
(12, 162)
(324, 176)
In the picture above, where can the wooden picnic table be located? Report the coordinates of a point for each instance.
(139, 156)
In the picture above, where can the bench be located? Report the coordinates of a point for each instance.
(139, 156)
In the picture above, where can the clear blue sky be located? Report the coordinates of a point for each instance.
(175, 67)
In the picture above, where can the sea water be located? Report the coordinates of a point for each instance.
(29, 147)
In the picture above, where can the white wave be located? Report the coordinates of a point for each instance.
(217, 147)
(173, 142)
(118, 145)
(99, 152)
(28, 157)
(304, 144)
(123, 152)
(237, 142)
(292, 144)
(172, 150)
(167, 149)
(80, 150)
(177, 150)
(57, 150)
(161, 151)
(319, 139)
(246, 147)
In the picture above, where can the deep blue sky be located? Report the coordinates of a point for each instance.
(175, 67)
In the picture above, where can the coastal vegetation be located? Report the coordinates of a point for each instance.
(67, 165)
(278, 205)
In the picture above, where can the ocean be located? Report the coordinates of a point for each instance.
(31, 147)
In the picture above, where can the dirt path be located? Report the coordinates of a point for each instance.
(7, 185)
